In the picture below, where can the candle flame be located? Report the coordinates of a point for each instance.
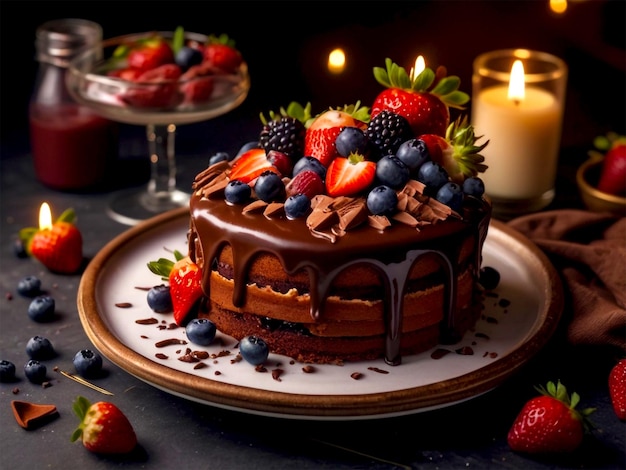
(420, 65)
(45, 217)
(336, 61)
(516, 83)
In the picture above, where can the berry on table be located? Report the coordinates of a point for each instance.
(35, 371)
(41, 308)
(39, 348)
(87, 363)
(160, 299)
(254, 350)
(29, 286)
(201, 331)
(7, 371)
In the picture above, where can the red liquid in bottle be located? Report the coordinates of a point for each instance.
(73, 148)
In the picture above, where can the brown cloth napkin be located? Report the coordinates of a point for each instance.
(589, 251)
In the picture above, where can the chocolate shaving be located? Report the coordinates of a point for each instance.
(276, 373)
(274, 209)
(255, 206)
(124, 305)
(376, 369)
(147, 321)
(170, 342)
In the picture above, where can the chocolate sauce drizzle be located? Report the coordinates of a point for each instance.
(392, 253)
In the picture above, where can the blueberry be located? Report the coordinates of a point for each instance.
(41, 308)
(201, 331)
(474, 186)
(219, 157)
(7, 371)
(269, 187)
(489, 277)
(451, 194)
(297, 206)
(351, 140)
(433, 175)
(19, 249)
(87, 363)
(390, 171)
(187, 56)
(237, 192)
(254, 350)
(39, 348)
(35, 371)
(248, 146)
(413, 153)
(382, 200)
(160, 299)
(29, 286)
(309, 163)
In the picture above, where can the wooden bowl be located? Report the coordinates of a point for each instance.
(587, 178)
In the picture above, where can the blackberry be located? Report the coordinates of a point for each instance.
(285, 135)
(387, 131)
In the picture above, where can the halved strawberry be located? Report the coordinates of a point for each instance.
(185, 279)
(319, 140)
(424, 100)
(185, 288)
(457, 152)
(349, 176)
(250, 165)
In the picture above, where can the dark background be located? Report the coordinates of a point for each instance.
(286, 45)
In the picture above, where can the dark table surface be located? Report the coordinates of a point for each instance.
(175, 432)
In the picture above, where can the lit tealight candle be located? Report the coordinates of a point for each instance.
(522, 122)
(45, 217)
(336, 61)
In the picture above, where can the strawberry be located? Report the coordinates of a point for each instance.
(250, 165)
(617, 388)
(103, 428)
(149, 53)
(220, 52)
(127, 74)
(613, 174)
(321, 133)
(456, 152)
(424, 100)
(549, 423)
(306, 182)
(59, 247)
(186, 289)
(163, 94)
(197, 90)
(349, 176)
(185, 280)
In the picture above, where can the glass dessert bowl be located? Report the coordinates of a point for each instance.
(106, 79)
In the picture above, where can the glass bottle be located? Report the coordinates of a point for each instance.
(73, 148)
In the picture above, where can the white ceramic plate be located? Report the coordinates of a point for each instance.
(504, 339)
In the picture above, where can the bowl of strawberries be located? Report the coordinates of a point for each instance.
(601, 179)
(159, 77)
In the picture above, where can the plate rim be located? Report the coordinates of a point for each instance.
(276, 403)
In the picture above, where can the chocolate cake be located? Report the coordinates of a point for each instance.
(345, 280)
